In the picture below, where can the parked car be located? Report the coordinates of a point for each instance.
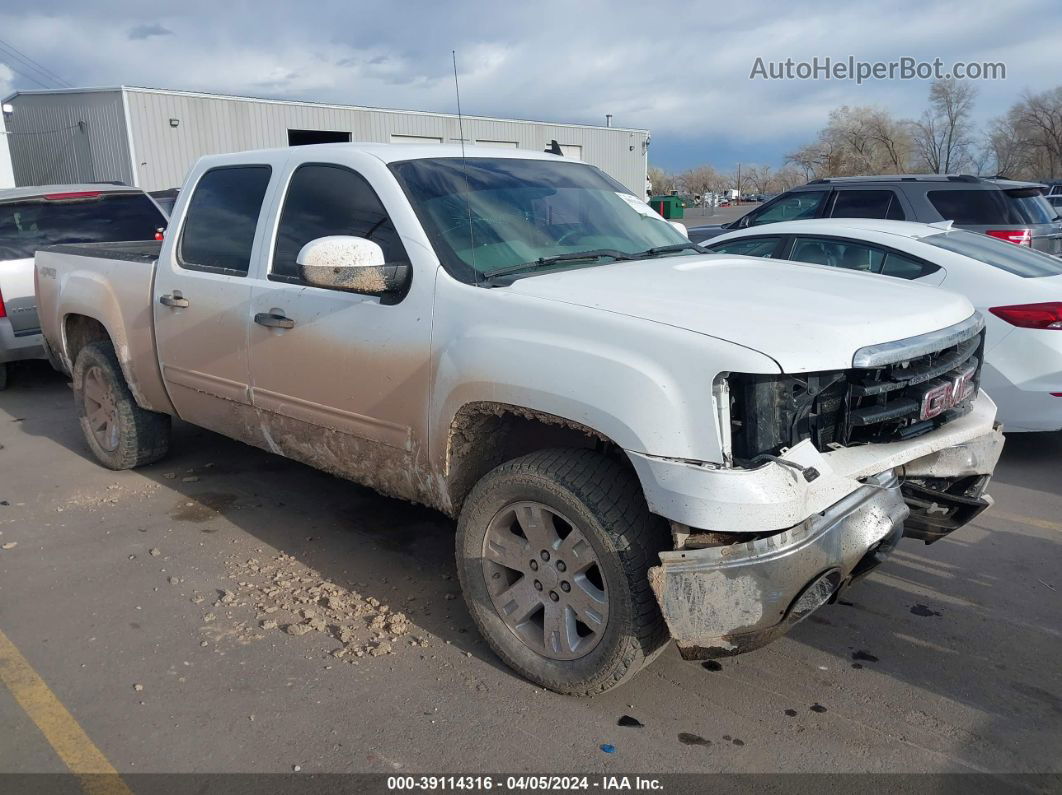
(1055, 200)
(1013, 211)
(31, 218)
(165, 199)
(1018, 291)
(637, 440)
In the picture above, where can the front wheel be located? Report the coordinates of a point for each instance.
(120, 433)
(553, 551)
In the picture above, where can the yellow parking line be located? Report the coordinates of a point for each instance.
(79, 754)
(1045, 524)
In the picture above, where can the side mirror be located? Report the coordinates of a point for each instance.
(680, 228)
(353, 264)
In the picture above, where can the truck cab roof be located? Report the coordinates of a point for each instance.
(387, 153)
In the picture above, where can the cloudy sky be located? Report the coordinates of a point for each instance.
(679, 69)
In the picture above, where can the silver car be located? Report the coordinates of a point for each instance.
(32, 218)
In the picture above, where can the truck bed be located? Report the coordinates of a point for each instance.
(83, 286)
(132, 251)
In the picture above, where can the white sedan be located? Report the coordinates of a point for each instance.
(1018, 290)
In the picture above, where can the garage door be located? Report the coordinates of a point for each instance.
(415, 139)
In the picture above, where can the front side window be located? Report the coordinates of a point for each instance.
(487, 215)
(793, 207)
(750, 247)
(867, 204)
(221, 219)
(325, 200)
(27, 225)
(1019, 260)
(838, 254)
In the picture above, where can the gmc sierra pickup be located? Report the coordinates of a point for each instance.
(638, 440)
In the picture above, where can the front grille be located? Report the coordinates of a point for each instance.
(890, 402)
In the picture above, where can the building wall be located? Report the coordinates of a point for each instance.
(214, 125)
(7, 176)
(65, 137)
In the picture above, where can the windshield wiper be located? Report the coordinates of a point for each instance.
(596, 253)
(655, 252)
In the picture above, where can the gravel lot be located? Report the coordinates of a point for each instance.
(156, 605)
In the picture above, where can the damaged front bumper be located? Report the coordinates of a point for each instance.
(726, 600)
(734, 597)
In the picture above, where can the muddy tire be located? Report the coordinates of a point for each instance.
(553, 551)
(120, 434)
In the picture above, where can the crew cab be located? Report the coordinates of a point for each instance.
(638, 441)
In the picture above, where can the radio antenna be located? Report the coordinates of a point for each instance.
(457, 90)
(464, 171)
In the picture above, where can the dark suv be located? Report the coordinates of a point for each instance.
(1013, 211)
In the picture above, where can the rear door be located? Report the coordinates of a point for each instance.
(202, 300)
(883, 203)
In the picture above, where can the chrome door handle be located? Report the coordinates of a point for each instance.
(270, 320)
(174, 300)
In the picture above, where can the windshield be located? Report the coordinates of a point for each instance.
(30, 224)
(1019, 260)
(487, 215)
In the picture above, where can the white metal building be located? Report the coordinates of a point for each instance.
(7, 176)
(150, 137)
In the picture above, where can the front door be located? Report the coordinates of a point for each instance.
(202, 301)
(344, 387)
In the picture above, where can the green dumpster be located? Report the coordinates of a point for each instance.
(668, 206)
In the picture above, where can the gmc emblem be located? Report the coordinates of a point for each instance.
(948, 395)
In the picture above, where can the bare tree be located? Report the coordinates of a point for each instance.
(856, 141)
(785, 178)
(700, 180)
(1037, 121)
(943, 136)
(661, 181)
(760, 177)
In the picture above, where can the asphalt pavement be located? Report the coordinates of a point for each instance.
(136, 599)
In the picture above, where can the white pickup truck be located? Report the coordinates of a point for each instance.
(637, 440)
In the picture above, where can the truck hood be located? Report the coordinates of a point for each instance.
(805, 317)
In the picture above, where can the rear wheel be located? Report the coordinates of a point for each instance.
(553, 551)
(121, 434)
(3, 377)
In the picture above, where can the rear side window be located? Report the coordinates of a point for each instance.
(1031, 206)
(325, 200)
(867, 204)
(1019, 260)
(901, 267)
(221, 219)
(838, 254)
(86, 217)
(974, 207)
(791, 207)
(750, 247)
(1021, 206)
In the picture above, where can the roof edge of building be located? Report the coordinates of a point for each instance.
(335, 105)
